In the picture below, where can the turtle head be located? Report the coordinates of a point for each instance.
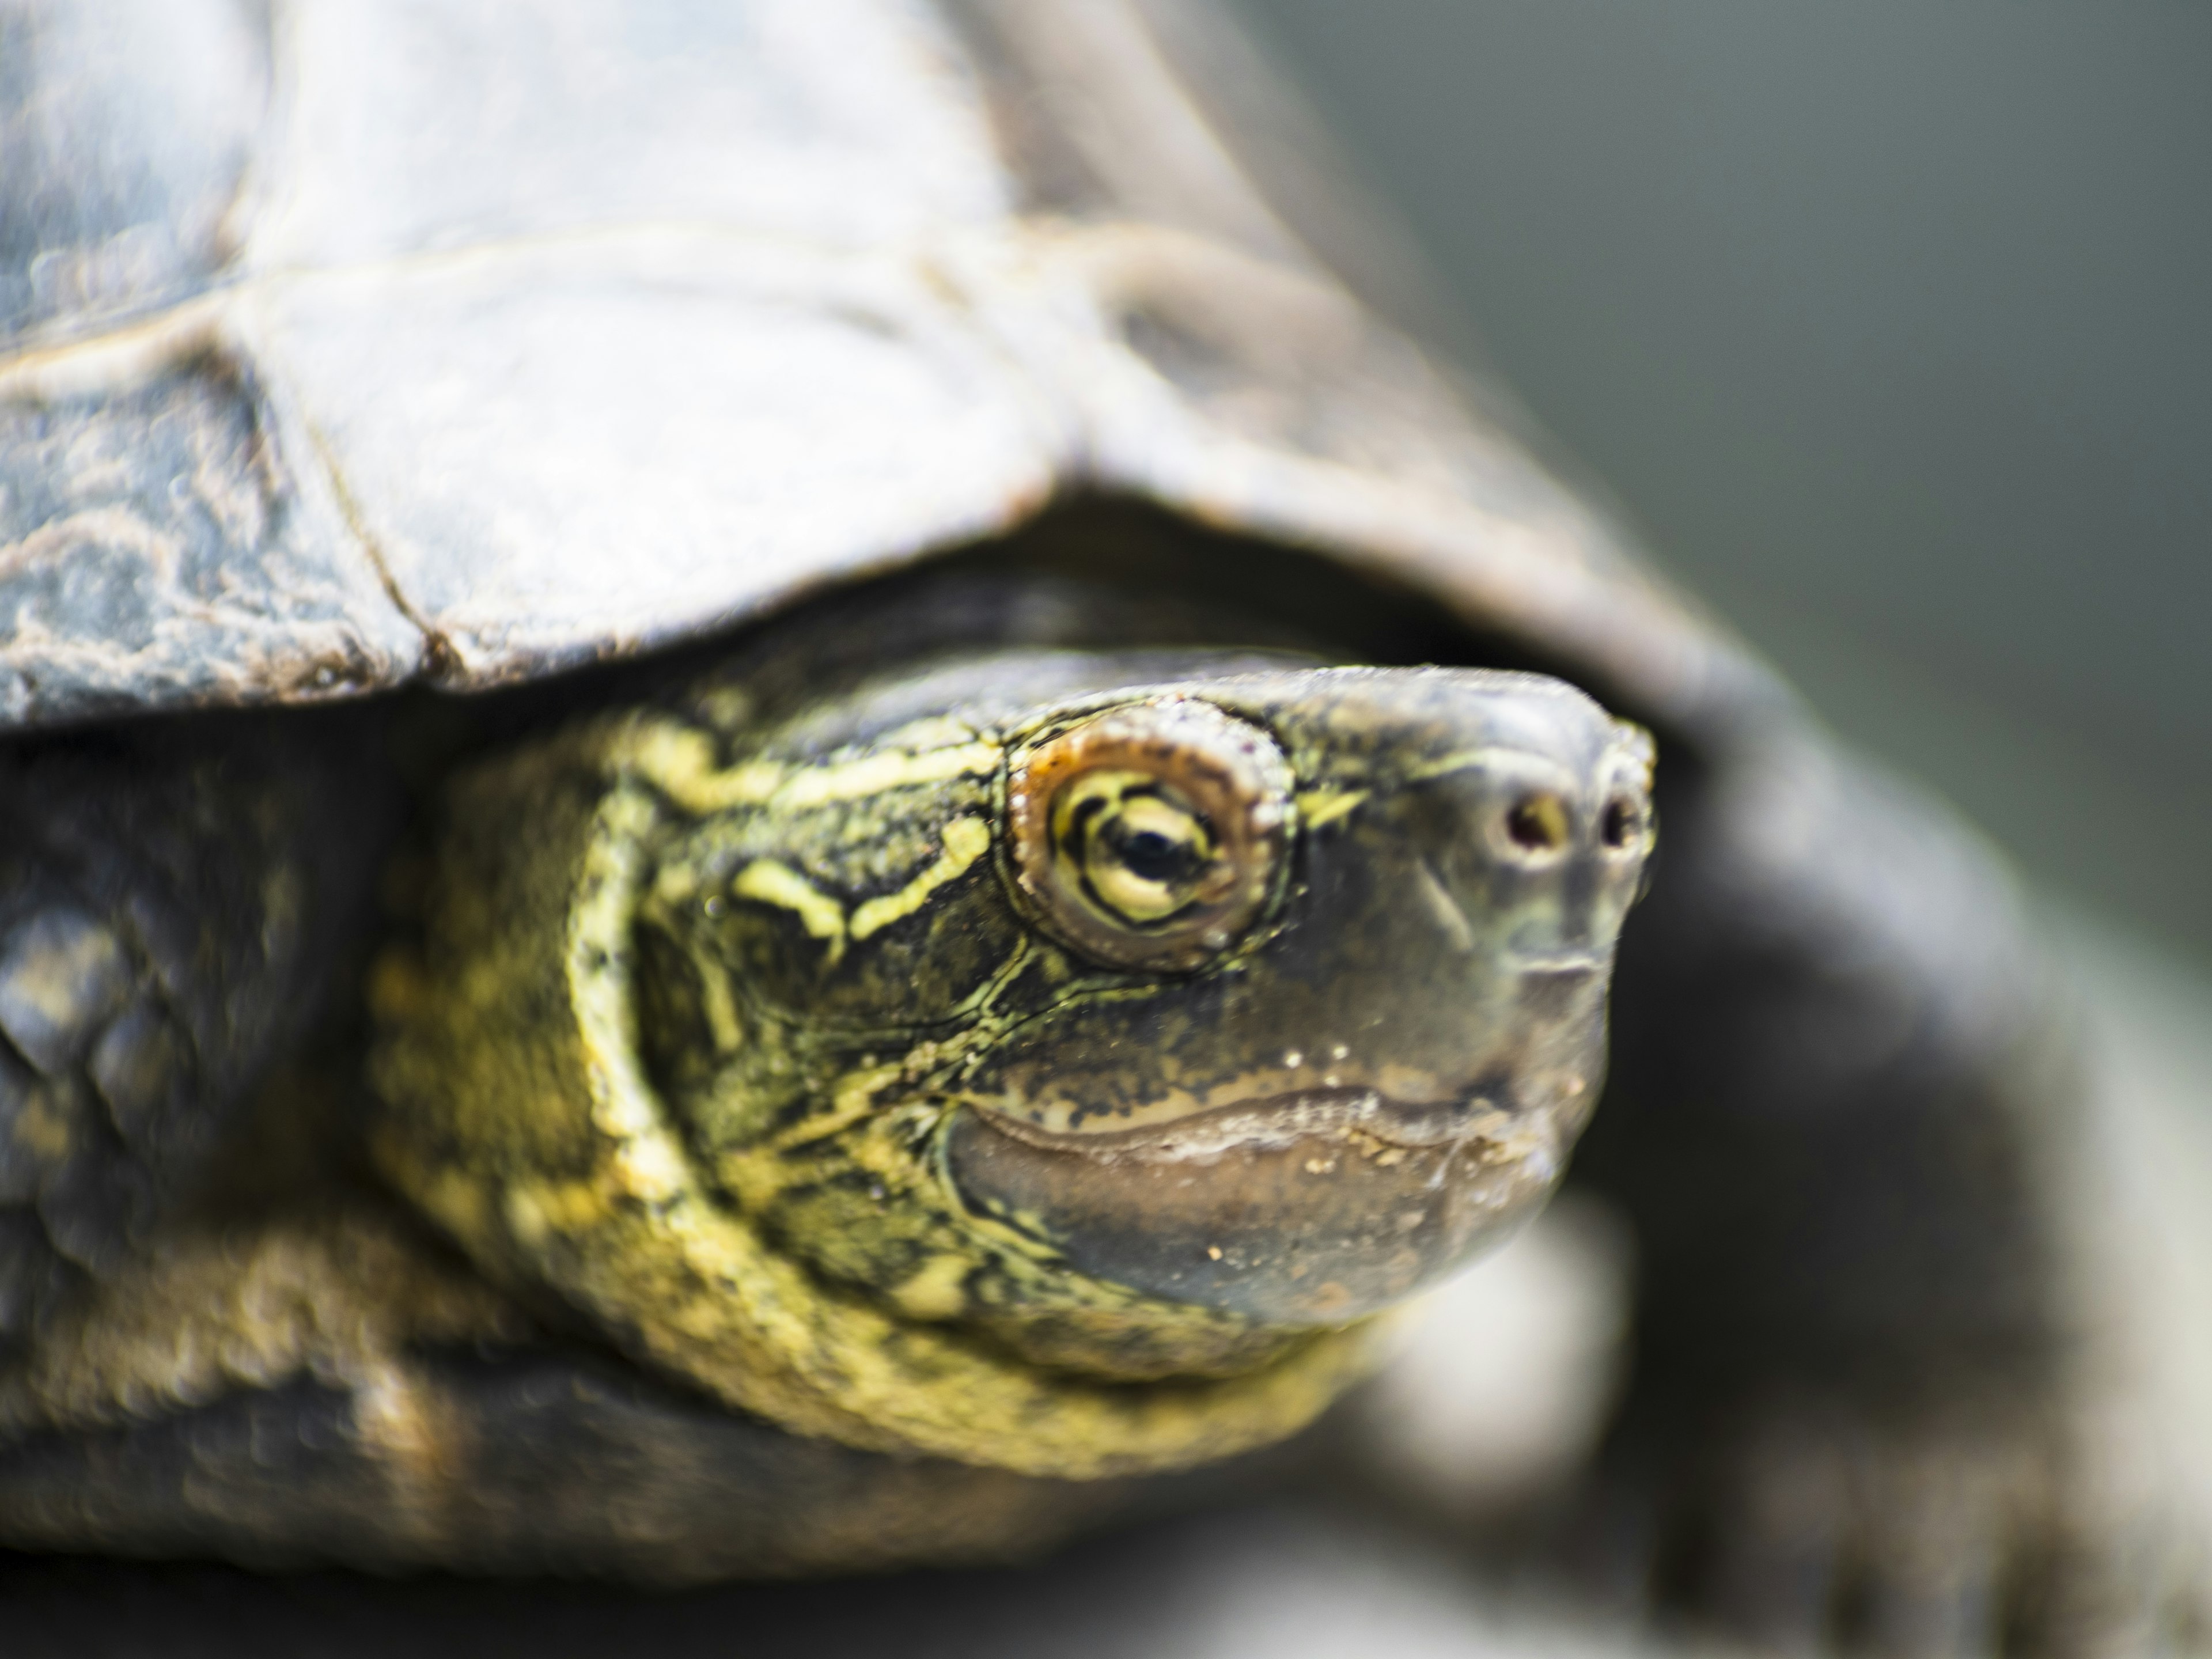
(1274, 995)
(927, 1065)
(1365, 921)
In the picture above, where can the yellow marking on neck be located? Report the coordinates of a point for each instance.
(966, 840)
(538, 1210)
(680, 762)
(779, 884)
(1317, 807)
(937, 1290)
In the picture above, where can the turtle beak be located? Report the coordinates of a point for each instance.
(1392, 1077)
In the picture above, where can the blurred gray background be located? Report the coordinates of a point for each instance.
(1889, 325)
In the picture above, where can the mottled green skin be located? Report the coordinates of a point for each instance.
(800, 933)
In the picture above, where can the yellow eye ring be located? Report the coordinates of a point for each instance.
(1151, 836)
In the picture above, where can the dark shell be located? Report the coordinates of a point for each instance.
(346, 345)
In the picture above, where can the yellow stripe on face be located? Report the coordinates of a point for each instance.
(771, 883)
(855, 780)
(680, 762)
(966, 840)
(1319, 806)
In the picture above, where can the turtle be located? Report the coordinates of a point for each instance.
(786, 793)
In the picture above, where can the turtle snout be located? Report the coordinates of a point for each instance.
(1540, 826)
(1541, 856)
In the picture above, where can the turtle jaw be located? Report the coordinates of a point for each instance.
(1306, 1209)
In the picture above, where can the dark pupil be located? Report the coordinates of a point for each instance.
(1151, 856)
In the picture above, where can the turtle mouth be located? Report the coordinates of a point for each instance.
(1308, 1207)
(1487, 1111)
(1569, 965)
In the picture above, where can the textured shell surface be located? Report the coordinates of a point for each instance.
(346, 344)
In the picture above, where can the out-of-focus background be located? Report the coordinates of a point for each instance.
(1888, 328)
(1889, 325)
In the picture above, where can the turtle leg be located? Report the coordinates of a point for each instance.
(328, 1384)
(172, 901)
(1848, 1131)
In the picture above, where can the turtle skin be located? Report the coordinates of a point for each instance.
(180, 904)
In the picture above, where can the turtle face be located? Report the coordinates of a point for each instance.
(1154, 1016)
(1272, 995)
(1370, 1057)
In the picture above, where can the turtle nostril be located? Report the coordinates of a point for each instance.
(1622, 822)
(1538, 822)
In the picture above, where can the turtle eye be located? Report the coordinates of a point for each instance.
(1134, 845)
(1149, 836)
